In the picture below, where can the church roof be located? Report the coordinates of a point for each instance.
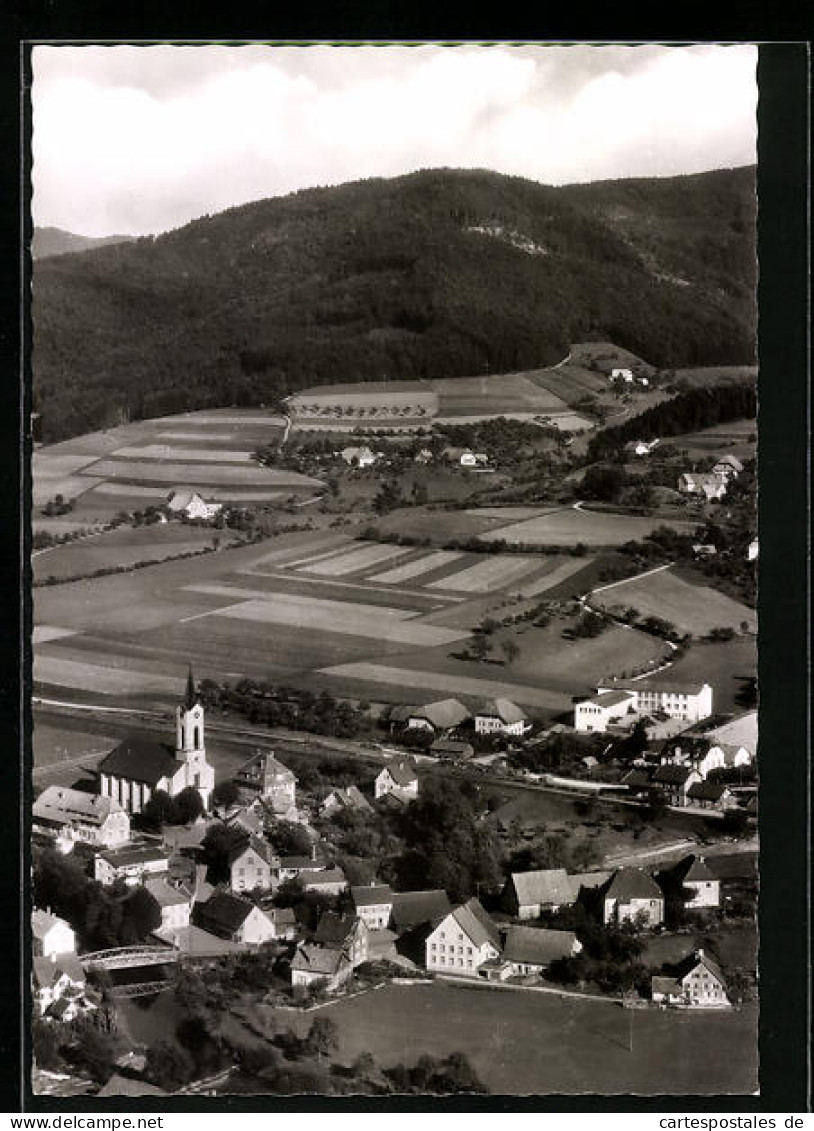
(140, 759)
(190, 697)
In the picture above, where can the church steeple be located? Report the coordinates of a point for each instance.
(190, 697)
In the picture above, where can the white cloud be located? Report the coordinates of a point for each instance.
(142, 139)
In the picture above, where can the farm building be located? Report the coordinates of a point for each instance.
(711, 795)
(440, 716)
(675, 782)
(347, 933)
(319, 964)
(373, 904)
(640, 448)
(502, 716)
(728, 467)
(698, 983)
(738, 735)
(191, 504)
(234, 918)
(633, 893)
(138, 766)
(77, 816)
(283, 921)
(689, 702)
(528, 893)
(605, 709)
(705, 485)
(529, 950)
(462, 941)
(50, 935)
(397, 778)
(358, 457)
(130, 864)
(328, 881)
(452, 750)
(271, 782)
(694, 873)
(623, 375)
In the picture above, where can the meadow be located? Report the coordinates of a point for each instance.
(571, 525)
(691, 608)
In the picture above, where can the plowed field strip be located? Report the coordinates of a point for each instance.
(414, 569)
(355, 560)
(494, 573)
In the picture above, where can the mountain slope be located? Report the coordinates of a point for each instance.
(440, 273)
(56, 241)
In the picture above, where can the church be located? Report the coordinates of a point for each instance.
(139, 766)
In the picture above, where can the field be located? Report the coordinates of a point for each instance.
(717, 374)
(570, 525)
(123, 546)
(691, 608)
(737, 438)
(527, 1043)
(134, 465)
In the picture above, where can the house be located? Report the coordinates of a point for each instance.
(703, 551)
(55, 979)
(451, 750)
(325, 966)
(265, 778)
(373, 904)
(440, 716)
(347, 933)
(293, 866)
(339, 800)
(501, 716)
(131, 864)
(529, 950)
(397, 778)
(246, 819)
(737, 738)
(69, 813)
(235, 918)
(416, 909)
(253, 863)
(284, 922)
(705, 485)
(752, 550)
(139, 766)
(462, 941)
(710, 795)
(328, 881)
(358, 457)
(675, 782)
(695, 874)
(50, 935)
(624, 375)
(640, 448)
(728, 467)
(461, 456)
(424, 456)
(689, 702)
(191, 504)
(603, 710)
(632, 894)
(528, 893)
(174, 903)
(697, 984)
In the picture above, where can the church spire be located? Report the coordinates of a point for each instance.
(190, 698)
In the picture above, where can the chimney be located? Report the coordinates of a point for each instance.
(699, 953)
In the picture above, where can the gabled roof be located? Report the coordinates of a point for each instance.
(443, 714)
(666, 687)
(371, 895)
(633, 883)
(301, 863)
(741, 731)
(611, 698)
(320, 960)
(706, 791)
(547, 885)
(43, 921)
(318, 877)
(588, 880)
(700, 957)
(451, 748)
(280, 916)
(256, 844)
(334, 930)
(732, 461)
(672, 775)
(133, 854)
(502, 709)
(350, 798)
(47, 972)
(663, 985)
(226, 910)
(413, 908)
(537, 946)
(263, 771)
(140, 759)
(402, 773)
(167, 895)
(476, 924)
(637, 778)
(402, 712)
(693, 867)
(60, 804)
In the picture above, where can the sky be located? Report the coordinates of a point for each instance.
(137, 140)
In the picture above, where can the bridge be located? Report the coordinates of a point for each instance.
(122, 957)
(139, 989)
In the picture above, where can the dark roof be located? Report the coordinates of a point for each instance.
(637, 778)
(693, 867)
(633, 883)
(402, 773)
(260, 846)
(320, 960)
(301, 863)
(476, 923)
(443, 714)
(672, 775)
(226, 910)
(190, 697)
(611, 698)
(319, 877)
(412, 908)
(134, 854)
(706, 791)
(333, 929)
(502, 709)
(371, 895)
(140, 759)
(452, 748)
(699, 956)
(537, 946)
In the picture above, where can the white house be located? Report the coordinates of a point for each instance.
(137, 767)
(50, 935)
(501, 716)
(640, 447)
(253, 863)
(358, 457)
(339, 800)
(625, 375)
(132, 864)
(174, 903)
(729, 467)
(373, 904)
(463, 941)
(694, 873)
(235, 918)
(398, 778)
(327, 966)
(328, 881)
(697, 984)
(690, 702)
(69, 813)
(271, 782)
(703, 484)
(59, 979)
(603, 710)
(632, 894)
(752, 550)
(192, 505)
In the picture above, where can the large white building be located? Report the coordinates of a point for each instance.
(138, 766)
(72, 815)
(500, 716)
(688, 702)
(462, 941)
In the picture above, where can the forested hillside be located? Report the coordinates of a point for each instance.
(55, 241)
(440, 273)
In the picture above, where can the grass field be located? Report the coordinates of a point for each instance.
(425, 564)
(527, 1043)
(735, 945)
(717, 374)
(571, 525)
(52, 745)
(354, 561)
(691, 608)
(123, 546)
(496, 572)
